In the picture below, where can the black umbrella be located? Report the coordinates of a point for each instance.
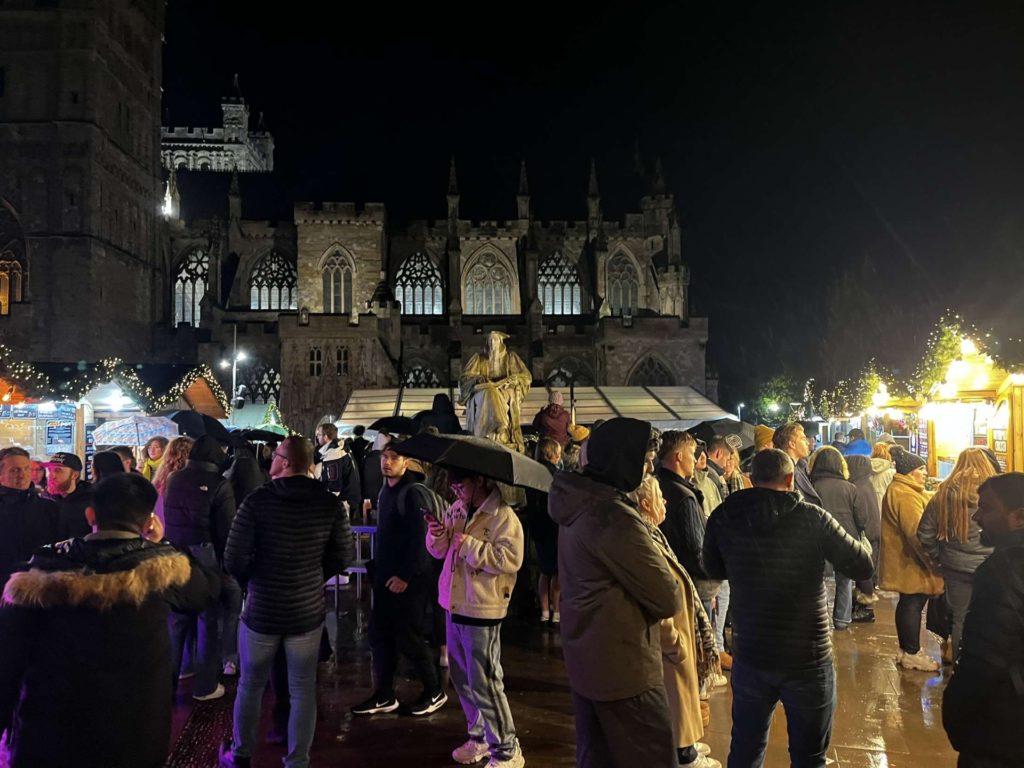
(396, 425)
(259, 435)
(479, 455)
(196, 424)
(709, 430)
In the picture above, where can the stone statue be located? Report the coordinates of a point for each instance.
(492, 386)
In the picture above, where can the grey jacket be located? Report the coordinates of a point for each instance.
(839, 496)
(952, 555)
(616, 586)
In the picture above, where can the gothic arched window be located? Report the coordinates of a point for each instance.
(623, 285)
(338, 274)
(418, 286)
(190, 286)
(421, 377)
(12, 260)
(264, 384)
(565, 375)
(273, 283)
(488, 287)
(651, 373)
(558, 282)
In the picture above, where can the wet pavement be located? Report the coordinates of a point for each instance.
(886, 718)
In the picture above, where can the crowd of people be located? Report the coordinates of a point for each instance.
(648, 546)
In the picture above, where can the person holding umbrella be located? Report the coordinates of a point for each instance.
(481, 542)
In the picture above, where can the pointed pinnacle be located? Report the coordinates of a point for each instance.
(453, 182)
(524, 186)
(592, 190)
(658, 185)
(236, 86)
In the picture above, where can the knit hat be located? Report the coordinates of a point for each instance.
(885, 437)
(763, 437)
(555, 398)
(906, 462)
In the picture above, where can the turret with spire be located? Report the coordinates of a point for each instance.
(453, 192)
(593, 198)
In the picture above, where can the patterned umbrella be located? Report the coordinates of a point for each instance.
(134, 431)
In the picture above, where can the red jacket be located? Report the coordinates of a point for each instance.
(553, 421)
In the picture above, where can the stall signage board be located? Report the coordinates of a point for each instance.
(922, 439)
(24, 411)
(60, 437)
(999, 446)
(66, 411)
(90, 449)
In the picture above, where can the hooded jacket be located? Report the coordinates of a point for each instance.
(198, 502)
(772, 547)
(28, 522)
(245, 474)
(553, 421)
(839, 496)
(337, 470)
(441, 415)
(616, 586)
(861, 474)
(904, 566)
(85, 670)
(882, 473)
(287, 538)
(983, 706)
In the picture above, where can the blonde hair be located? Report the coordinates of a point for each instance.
(824, 451)
(175, 457)
(959, 492)
(648, 489)
(882, 451)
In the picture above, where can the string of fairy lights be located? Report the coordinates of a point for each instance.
(35, 384)
(942, 347)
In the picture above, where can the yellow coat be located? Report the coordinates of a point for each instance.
(679, 659)
(904, 567)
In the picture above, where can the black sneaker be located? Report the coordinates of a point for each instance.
(376, 705)
(226, 757)
(864, 616)
(427, 703)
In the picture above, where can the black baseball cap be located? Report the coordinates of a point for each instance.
(68, 460)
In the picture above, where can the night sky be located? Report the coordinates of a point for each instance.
(881, 143)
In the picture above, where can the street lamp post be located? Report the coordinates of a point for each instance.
(237, 356)
(739, 412)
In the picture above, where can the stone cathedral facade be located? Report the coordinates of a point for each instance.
(336, 297)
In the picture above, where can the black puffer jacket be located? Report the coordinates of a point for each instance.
(839, 496)
(772, 548)
(983, 707)
(198, 501)
(85, 669)
(287, 537)
(71, 522)
(28, 522)
(684, 522)
(245, 473)
(615, 584)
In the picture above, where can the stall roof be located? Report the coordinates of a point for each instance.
(664, 407)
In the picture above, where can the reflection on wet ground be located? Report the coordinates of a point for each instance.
(887, 718)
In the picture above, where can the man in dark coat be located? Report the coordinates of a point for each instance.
(85, 675)
(684, 509)
(401, 575)
(772, 546)
(27, 522)
(790, 439)
(983, 707)
(198, 507)
(72, 495)
(358, 446)
(335, 467)
(287, 537)
(616, 587)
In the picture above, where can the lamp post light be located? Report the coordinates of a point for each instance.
(739, 412)
(237, 356)
(773, 407)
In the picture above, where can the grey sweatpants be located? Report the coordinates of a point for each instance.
(474, 656)
(625, 733)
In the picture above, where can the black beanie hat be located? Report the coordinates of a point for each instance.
(906, 462)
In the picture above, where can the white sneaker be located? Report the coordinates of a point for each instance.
(702, 748)
(515, 761)
(470, 752)
(702, 761)
(215, 694)
(555, 618)
(721, 680)
(919, 660)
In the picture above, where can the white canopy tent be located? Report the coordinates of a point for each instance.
(664, 407)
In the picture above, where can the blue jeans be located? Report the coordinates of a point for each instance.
(809, 698)
(231, 609)
(720, 613)
(257, 656)
(842, 612)
(206, 662)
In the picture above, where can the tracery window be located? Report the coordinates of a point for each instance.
(564, 376)
(341, 361)
(488, 287)
(273, 283)
(264, 384)
(190, 286)
(316, 361)
(421, 377)
(651, 373)
(623, 285)
(338, 274)
(558, 281)
(418, 286)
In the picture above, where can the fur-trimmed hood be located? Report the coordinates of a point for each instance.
(98, 574)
